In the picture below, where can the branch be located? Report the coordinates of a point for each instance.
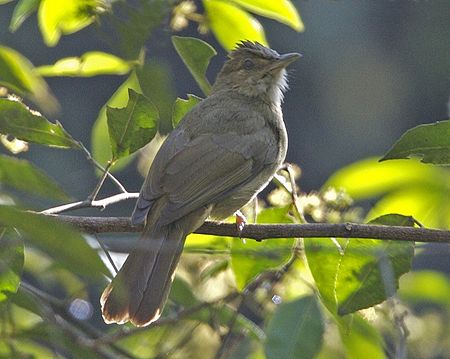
(261, 232)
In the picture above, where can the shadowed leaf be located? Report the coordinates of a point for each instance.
(430, 141)
(11, 262)
(24, 176)
(17, 120)
(22, 11)
(295, 330)
(65, 246)
(181, 107)
(19, 75)
(196, 55)
(132, 127)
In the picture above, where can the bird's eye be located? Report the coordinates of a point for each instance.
(248, 64)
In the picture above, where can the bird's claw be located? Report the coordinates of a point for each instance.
(241, 221)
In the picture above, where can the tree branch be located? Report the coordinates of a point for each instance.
(261, 232)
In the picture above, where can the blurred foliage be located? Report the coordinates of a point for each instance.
(288, 298)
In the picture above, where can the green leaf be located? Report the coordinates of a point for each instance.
(19, 121)
(425, 287)
(369, 269)
(22, 11)
(23, 176)
(89, 64)
(4, 1)
(430, 141)
(361, 339)
(11, 263)
(67, 247)
(129, 25)
(230, 24)
(280, 10)
(363, 272)
(101, 147)
(181, 107)
(295, 331)
(368, 177)
(132, 127)
(19, 75)
(196, 55)
(56, 18)
(251, 258)
(156, 82)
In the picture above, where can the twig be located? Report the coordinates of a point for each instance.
(261, 232)
(100, 167)
(102, 203)
(99, 185)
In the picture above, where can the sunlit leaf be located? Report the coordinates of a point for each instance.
(132, 127)
(428, 204)
(196, 55)
(369, 270)
(17, 120)
(231, 24)
(280, 10)
(19, 75)
(101, 147)
(430, 141)
(251, 258)
(181, 107)
(59, 17)
(361, 339)
(295, 330)
(11, 262)
(22, 11)
(24, 176)
(89, 64)
(363, 272)
(425, 287)
(368, 177)
(63, 245)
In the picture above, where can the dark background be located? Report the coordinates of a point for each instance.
(371, 70)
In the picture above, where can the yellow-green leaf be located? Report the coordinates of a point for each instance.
(89, 64)
(231, 24)
(59, 17)
(281, 10)
(18, 74)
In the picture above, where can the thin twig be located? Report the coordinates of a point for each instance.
(97, 188)
(102, 203)
(101, 168)
(260, 232)
(105, 250)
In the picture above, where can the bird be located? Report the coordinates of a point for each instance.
(224, 151)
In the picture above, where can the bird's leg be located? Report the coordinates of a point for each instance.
(241, 221)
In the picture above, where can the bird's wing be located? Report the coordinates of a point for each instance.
(200, 172)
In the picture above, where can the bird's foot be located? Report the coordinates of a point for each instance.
(241, 221)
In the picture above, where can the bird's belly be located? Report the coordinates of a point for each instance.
(242, 195)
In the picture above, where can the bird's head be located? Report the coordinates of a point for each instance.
(256, 71)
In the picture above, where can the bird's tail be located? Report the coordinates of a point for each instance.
(141, 287)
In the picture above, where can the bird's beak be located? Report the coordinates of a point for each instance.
(286, 59)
